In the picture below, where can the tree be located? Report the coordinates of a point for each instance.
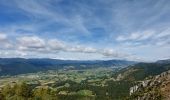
(24, 90)
(2, 97)
(44, 93)
(7, 91)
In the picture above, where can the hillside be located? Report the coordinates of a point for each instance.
(151, 81)
(156, 88)
(140, 71)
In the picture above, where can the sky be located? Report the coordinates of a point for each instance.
(85, 29)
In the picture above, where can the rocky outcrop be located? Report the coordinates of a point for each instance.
(142, 84)
(133, 89)
(156, 88)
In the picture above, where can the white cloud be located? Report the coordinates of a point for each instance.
(163, 42)
(4, 42)
(164, 33)
(31, 46)
(55, 44)
(114, 53)
(109, 52)
(31, 42)
(12, 53)
(137, 36)
(145, 38)
(81, 49)
(3, 37)
(121, 38)
(130, 37)
(61, 46)
(89, 50)
(147, 35)
(51, 46)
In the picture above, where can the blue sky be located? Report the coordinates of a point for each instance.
(85, 29)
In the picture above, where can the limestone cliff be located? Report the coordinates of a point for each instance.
(155, 88)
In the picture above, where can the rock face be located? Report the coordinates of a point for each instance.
(156, 88)
(135, 88)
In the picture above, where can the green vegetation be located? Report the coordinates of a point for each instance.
(98, 83)
(141, 71)
(87, 84)
(152, 93)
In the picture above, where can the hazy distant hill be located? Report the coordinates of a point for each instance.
(11, 66)
(167, 61)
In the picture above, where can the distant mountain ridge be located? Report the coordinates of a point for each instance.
(12, 66)
(167, 61)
